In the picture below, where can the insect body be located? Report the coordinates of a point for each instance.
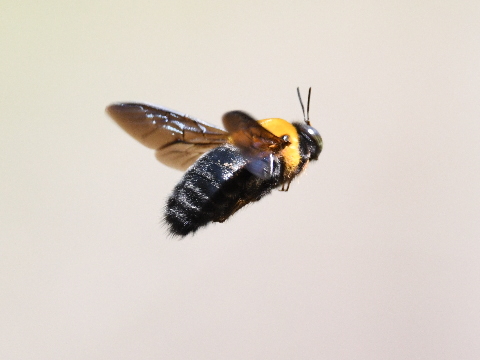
(225, 170)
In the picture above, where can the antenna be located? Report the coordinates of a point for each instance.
(306, 118)
(308, 105)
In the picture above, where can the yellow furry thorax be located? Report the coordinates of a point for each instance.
(280, 127)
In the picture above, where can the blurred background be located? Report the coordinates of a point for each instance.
(372, 254)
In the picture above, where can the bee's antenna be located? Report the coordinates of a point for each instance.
(308, 106)
(306, 118)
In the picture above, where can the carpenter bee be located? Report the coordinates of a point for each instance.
(225, 170)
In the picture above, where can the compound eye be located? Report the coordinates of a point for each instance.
(313, 132)
(314, 135)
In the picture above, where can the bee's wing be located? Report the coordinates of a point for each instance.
(256, 143)
(179, 139)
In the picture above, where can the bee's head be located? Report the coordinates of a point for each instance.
(311, 136)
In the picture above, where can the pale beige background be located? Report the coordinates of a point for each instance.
(373, 254)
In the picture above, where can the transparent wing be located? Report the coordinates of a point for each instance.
(179, 139)
(257, 144)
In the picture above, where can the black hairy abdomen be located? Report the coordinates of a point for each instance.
(213, 188)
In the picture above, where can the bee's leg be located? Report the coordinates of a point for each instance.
(236, 207)
(286, 185)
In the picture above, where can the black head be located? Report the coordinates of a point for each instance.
(310, 135)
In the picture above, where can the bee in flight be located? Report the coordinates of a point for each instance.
(225, 170)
